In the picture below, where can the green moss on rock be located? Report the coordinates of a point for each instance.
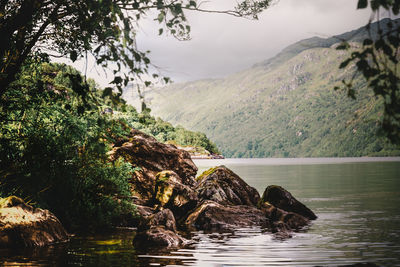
(208, 172)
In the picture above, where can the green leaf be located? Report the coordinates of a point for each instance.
(343, 46)
(160, 31)
(117, 80)
(387, 49)
(362, 65)
(107, 92)
(394, 40)
(344, 63)
(367, 42)
(362, 4)
(81, 110)
(379, 44)
(160, 17)
(73, 55)
(396, 7)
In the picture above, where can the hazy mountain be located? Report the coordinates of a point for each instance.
(282, 107)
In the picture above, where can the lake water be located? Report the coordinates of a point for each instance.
(357, 201)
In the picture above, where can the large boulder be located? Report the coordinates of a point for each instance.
(163, 218)
(160, 232)
(223, 186)
(282, 199)
(171, 193)
(152, 157)
(21, 225)
(144, 215)
(212, 216)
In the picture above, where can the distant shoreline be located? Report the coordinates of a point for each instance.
(296, 161)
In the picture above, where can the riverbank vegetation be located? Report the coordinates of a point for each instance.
(54, 141)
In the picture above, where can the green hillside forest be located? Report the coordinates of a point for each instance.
(285, 106)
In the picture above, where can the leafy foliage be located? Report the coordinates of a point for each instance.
(378, 62)
(106, 29)
(165, 132)
(54, 141)
(55, 155)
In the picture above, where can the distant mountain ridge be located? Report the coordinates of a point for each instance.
(357, 35)
(282, 107)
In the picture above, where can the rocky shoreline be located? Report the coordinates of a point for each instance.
(21, 225)
(200, 153)
(171, 202)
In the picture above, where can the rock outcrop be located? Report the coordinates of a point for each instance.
(283, 221)
(223, 186)
(160, 231)
(171, 193)
(170, 200)
(21, 225)
(212, 216)
(281, 198)
(152, 157)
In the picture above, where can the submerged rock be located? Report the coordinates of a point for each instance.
(212, 216)
(223, 186)
(152, 157)
(282, 199)
(21, 225)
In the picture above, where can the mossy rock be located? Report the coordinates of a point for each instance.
(223, 186)
(163, 189)
(208, 172)
(171, 193)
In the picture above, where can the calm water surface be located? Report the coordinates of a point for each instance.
(356, 201)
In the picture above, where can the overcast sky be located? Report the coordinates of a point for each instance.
(223, 44)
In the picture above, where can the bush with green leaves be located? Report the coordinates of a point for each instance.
(165, 132)
(53, 147)
(54, 142)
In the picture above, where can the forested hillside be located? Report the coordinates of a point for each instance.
(283, 107)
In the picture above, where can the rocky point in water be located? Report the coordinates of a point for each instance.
(21, 225)
(171, 201)
(152, 157)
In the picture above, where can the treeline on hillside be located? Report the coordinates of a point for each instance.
(54, 140)
(289, 110)
(164, 131)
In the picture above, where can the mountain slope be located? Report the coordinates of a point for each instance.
(282, 107)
